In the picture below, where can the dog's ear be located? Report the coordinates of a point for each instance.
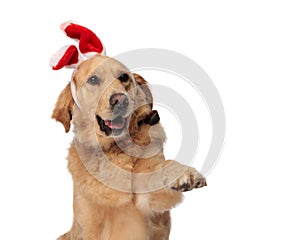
(63, 108)
(143, 85)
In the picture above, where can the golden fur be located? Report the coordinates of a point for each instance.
(113, 200)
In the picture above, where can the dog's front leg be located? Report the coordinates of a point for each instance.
(160, 189)
(171, 174)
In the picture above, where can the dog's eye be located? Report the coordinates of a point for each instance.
(123, 77)
(93, 80)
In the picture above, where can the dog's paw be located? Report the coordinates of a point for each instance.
(189, 180)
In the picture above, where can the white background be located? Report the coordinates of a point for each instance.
(250, 49)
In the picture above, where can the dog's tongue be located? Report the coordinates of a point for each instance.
(118, 123)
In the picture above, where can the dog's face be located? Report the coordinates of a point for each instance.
(106, 92)
(110, 100)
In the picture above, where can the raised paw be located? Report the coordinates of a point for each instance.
(189, 180)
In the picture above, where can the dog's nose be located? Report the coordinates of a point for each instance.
(119, 102)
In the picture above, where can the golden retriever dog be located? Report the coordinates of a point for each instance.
(123, 186)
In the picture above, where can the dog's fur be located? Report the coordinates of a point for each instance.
(112, 200)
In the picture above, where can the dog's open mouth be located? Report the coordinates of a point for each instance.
(115, 126)
(117, 123)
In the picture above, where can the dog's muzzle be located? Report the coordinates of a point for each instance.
(119, 103)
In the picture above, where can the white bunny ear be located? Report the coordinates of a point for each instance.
(68, 56)
(89, 43)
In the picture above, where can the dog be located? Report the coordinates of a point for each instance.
(123, 186)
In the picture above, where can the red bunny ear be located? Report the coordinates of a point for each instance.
(89, 43)
(67, 56)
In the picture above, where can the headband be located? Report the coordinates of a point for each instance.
(69, 56)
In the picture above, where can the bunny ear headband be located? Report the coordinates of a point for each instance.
(68, 56)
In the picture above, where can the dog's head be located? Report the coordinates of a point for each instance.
(107, 99)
